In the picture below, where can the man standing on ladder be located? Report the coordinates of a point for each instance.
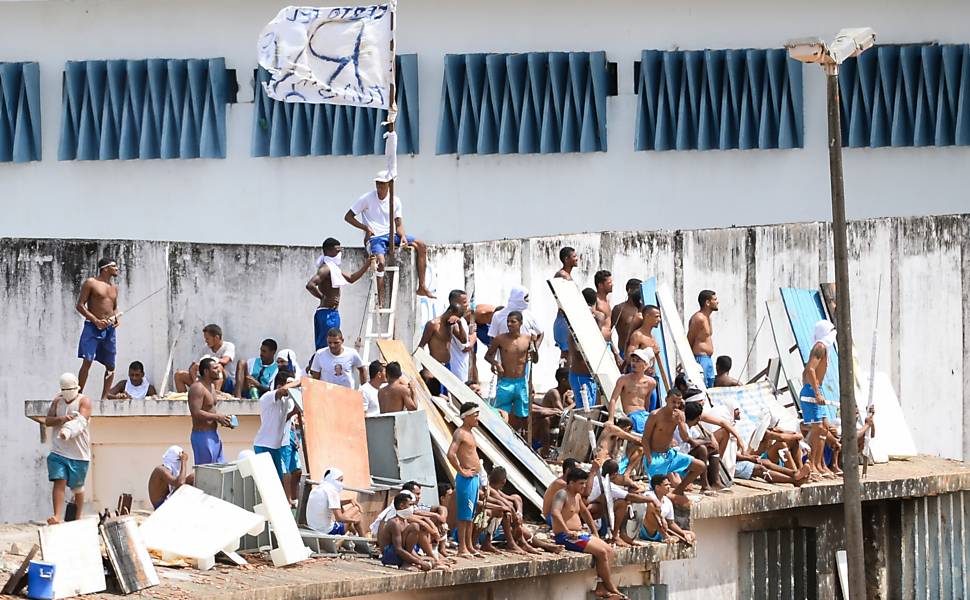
(325, 285)
(371, 214)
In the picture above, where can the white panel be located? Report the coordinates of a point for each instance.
(75, 550)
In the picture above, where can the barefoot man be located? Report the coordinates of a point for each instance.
(568, 514)
(169, 476)
(658, 457)
(70, 456)
(206, 443)
(635, 389)
(98, 304)
(642, 338)
(560, 329)
(814, 410)
(699, 333)
(397, 538)
(512, 389)
(325, 286)
(626, 315)
(463, 456)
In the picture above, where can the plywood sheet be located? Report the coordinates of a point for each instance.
(593, 347)
(75, 550)
(394, 350)
(490, 420)
(675, 326)
(334, 432)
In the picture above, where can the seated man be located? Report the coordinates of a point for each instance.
(400, 540)
(223, 352)
(752, 465)
(546, 413)
(705, 447)
(610, 444)
(622, 497)
(255, 376)
(508, 508)
(327, 513)
(169, 476)
(557, 484)
(435, 518)
(136, 387)
(723, 378)
(659, 457)
(658, 523)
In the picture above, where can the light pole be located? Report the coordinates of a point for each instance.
(847, 44)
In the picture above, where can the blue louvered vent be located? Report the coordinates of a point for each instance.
(19, 112)
(719, 100)
(298, 129)
(156, 108)
(543, 102)
(906, 96)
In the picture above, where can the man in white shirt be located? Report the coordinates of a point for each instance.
(371, 214)
(327, 513)
(378, 379)
(222, 351)
(275, 410)
(335, 363)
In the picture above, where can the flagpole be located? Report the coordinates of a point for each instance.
(391, 117)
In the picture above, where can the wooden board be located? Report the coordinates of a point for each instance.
(19, 578)
(334, 432)
(128, 555)
(394, 350)
(675, 326)
(598, 356)
(75, 550)
(489, 419)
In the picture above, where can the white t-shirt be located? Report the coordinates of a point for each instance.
(371, 406)
(458, 358)
(272, 420)
(226, 349)
(618, 491)
(375, 213)
(666, 506)
(319, 514)
(337, 369)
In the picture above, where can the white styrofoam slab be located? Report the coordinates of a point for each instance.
(75, 550)
(274, 506)
(671, 319)
(593, 347)
(196, 525)
(893, 436)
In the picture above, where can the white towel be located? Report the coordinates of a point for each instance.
(336, 275)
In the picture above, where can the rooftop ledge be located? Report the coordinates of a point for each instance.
(37, 409)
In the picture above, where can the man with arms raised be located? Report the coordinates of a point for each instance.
(444, 332)
(626, 317)
(699, 333)
(463, 456)
(512, 389)
(325, 286)
(659, 458)
(635, 389)
(98, 304)
(169, 476)
(398, 395)
(206, 443)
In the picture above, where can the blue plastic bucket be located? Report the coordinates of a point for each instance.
(40, 580)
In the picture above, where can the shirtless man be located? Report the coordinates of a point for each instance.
(635, 389)
(603, 282)
(325, 286)
(568, 514)
(560, 328)
(699, 334)
(815, 411)
(397, 538)
(398, 395)
(752, 465)
(642, 338)
(659, 458)
(614, 433)
(463, 456)
(169, 476)
(206, 443)
(512, 389)
(98, 304)
(557, 484)
(438, 334)
(626, 315)
(723, 378)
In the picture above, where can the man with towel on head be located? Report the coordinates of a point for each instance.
(169, 476)
(815, 412)
(70, 456)
(518, 301)
(325, 286)
(327, 513)
(98, 304)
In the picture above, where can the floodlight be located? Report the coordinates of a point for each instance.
(807, 50)
(851, 42)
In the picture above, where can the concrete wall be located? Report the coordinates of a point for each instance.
(475, 197)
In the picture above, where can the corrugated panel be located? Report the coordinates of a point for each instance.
(777, 564)
(19, 112)
(142, 109)
(906, 96)
(805, 309)
(657, 591)
(540, 102)
(934, 554)
(298, 129)
(719, 100)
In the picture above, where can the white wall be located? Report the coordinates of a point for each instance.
(476, 197)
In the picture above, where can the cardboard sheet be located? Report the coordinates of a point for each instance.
(593, 347)
(490, 420)
(670, 316)
(75, 550)
(334, 432)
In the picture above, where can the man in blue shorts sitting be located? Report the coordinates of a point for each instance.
(512, 389)
(659, 458)
(399, 540)
(371, 214)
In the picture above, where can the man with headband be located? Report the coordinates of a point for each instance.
(325, 286)
(67, 463)
(463, 456)
(98, 304)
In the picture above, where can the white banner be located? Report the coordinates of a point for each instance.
(329, 55)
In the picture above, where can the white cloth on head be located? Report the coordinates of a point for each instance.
(273, 424)
(323, 500)
(337, 369)
(337, 278)
(372, 407)
(374, 212)
(517, 301)
(292, 364)
(172, 460)
(137, 392)
(825, 332)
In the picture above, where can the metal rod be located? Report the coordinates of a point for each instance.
(851, 487)
(391, 261)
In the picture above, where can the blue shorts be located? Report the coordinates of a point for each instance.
(160, 503)
(671, 461)
(337, 529)
(656, 536)
(290, 455)
(577, 545)
(812, 412)
(69, 469)
(390, 558)
(639, 418)
(549, 520)
(324, 319)
(623, 463)
(708, 366)
(98, 344)
(207, 448)
(655, 397)
(277, 455)
(229, 385)
(378, 244)
(560, 332)
(466, 496)
(584, 389)
(512, 396)
(482, 334)
(743, 470)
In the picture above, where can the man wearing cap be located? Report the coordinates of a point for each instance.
(371, 214)
(814, 410)
(325, 286)
(98, 304)
(67, 463)
(635, 389)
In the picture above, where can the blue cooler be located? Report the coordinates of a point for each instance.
(40, 580)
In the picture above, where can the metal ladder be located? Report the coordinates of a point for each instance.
(372, 318)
